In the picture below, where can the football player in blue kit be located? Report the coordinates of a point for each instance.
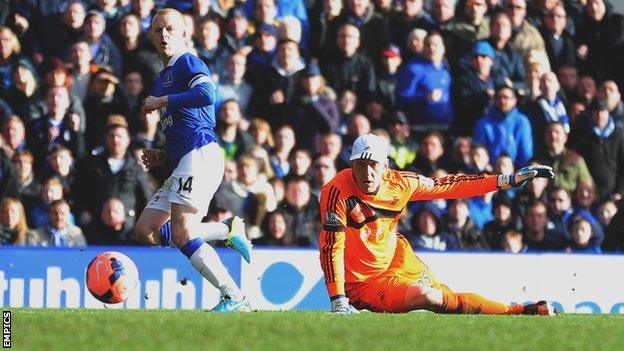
(185, 95)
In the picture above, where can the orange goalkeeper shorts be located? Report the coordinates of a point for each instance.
(385, 292)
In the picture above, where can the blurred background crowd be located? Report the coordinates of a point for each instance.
(456, 86)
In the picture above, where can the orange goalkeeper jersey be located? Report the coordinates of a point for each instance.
(359, 238)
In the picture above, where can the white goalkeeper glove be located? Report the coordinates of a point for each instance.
(340, 304)
(522, 176)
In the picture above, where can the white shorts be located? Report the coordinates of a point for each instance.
(193, 182)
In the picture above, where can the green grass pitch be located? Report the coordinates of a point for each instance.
(50, 329)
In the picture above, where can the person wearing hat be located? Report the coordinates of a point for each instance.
(596, 138)
(361, 253)
(474, 88)
(236, 32)
(386, 83)
(313, 112)
(402, 147)
(261, 56)
(423, 89)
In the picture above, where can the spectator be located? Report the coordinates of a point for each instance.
(569, 79)
(29, 187)
(312, 112)
(207, 34)
(443, 12)
(264, 164)
(302, 210)
(13, 227)
(375, 36)
(412, 15)
(24, 90)
(144, 10)
(504, 165)
(60, 165)
(559, 42)
(474, 89)
(345, 68)
(323, 170)
(504, 128)
(347, 102)
(549, 107)
(233, 139)
(300, 161)
(479, 159)
(104, 98)
(504, 220)
(260, 131)
(560, 209)
(51, 190)
(415, 44)
(507, 58)
(461, 158)
(104, 51)
(113, 173)
(236, 35)
(276, 231)
(65, 29)
(537, 235)
(430, 155)
(357, 125)
(514, 243)
(284, 143)
(275, 88)
(13, 138)
(320, 18)
(10, 58)
(533, 191)
(138, 54)
(262, 54)
(569, 167)
(402, 147)
(81, 69)
(423, 89)
(609, 92)
(465, 30)
(330, 144)
(602, 146)
(481, 209)
(458, 223)
(427, 232)
(526, 37)
(605, 212)
(386, 83)
(614, 238)
(149, 134)
(232, 85)
(58, 231)
(60, 126)
(134, 87)
(599, 31)
(584, 238)
(586, 89)
(289, 28)
(110, 227)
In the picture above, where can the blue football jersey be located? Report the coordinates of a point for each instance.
(186, 128)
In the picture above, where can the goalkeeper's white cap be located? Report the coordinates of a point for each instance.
(370, 147)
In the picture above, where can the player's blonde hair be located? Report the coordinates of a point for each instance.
(169, 11)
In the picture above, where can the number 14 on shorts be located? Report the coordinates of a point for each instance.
(184, 185)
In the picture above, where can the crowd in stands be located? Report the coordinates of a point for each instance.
(455, 86)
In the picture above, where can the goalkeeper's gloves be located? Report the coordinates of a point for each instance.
(340, 304)
(522, 176)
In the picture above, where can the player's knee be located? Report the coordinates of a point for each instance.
(179, 231)
(423, 297)
(143, 229)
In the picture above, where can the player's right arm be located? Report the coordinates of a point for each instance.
(332, 240)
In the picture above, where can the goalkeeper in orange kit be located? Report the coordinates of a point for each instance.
(367, 264)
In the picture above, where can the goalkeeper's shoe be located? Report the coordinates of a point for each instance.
(541, 308)
(228, 305)
(237, 239)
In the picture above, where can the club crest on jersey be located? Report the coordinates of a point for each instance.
(168, 79)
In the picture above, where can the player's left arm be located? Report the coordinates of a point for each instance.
(459, 186)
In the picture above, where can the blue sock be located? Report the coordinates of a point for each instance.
(165, 234)
(191, 246)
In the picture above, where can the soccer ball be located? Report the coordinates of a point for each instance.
(111, 277)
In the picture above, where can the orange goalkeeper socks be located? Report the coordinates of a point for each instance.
(467, 303)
